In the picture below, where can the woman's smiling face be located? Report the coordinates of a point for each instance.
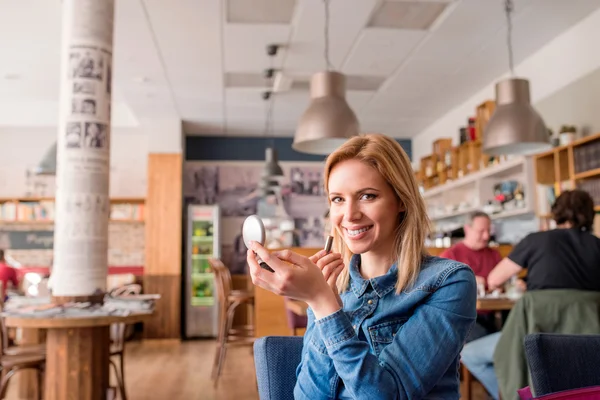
(364, 207)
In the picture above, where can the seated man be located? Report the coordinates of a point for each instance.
(475, 252)
(564, 258)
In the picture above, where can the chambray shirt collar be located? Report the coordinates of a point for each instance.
(382, 285)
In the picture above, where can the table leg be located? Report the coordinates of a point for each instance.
(77, 363)
(27, 379)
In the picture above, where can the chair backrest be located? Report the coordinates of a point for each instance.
(276, 359)
(118, 331)
(560, 362)
(294, 320)
(222, 282)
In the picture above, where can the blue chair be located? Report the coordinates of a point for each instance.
(276, 359)
(560, 362)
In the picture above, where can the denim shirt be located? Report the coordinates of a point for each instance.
(383, 345)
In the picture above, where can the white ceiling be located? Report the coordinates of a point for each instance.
(171, 58)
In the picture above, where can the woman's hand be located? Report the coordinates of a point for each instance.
(294, 276)
(331, 265)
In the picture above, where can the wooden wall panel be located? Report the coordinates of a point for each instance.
(166, 322)
(163, 214)
(162, 271)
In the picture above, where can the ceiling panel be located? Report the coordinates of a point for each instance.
(30, 43)
(139, 75)
(347, 19)
(357, 100)
(170, 58)
(260, 11)
(193, 66)
(245, 46)
(380, 51)
(416, 15)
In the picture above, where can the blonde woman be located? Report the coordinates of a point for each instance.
(392, 324)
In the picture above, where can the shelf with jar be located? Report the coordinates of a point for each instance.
(501, 190)
(573, 165)
(40, 210)
(447, 162)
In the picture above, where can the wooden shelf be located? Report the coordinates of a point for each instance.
(453, 214)
(501, 215)
(500, 170)
(113, 200)
(51, 222)
(470, 193)
(512, 213)
(594, 173)
(555, 170)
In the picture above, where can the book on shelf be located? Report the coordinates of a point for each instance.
(127, 212)
(43, 211)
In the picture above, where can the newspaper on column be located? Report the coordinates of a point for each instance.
(83, 155)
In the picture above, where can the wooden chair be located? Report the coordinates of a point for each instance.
(17, 361)
(118, 333)
(228, 301)
(9, 348)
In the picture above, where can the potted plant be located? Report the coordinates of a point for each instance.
(567, 134)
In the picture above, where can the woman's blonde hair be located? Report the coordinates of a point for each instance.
(389, 159)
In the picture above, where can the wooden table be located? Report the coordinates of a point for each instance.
(494, 304)
(77, 352)
(483, 304)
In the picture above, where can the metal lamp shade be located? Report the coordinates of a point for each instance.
(515, 127)
(329, 121)
(267, 186)
(272, 167)
(48, 164)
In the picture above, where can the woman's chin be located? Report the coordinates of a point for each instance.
(357, 248)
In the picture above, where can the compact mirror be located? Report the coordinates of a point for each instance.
(253, 229)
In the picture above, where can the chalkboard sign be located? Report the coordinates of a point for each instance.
(27, 240)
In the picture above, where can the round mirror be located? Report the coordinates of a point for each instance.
(253, 229)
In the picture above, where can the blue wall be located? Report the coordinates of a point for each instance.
(218, 148)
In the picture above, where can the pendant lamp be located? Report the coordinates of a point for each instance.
(515, 127)
(272, 167)
(48, 164)
(329, 121)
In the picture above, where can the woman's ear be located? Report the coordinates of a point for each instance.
(401, 207)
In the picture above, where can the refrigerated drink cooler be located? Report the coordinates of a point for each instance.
(202, 243)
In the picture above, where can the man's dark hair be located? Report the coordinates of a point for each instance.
(576, 207)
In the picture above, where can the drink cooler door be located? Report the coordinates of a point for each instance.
(201, 301)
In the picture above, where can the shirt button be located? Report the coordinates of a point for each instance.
(370, 302)
(354, 326)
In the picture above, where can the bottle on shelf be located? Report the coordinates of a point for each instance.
(471, 129)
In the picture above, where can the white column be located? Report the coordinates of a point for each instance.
(83, 154)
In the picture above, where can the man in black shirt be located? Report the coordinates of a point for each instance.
(564, 258)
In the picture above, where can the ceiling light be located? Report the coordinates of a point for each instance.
(48, 164)
(329, 121)
(515, 127)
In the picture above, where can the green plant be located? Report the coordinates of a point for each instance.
(568, 128)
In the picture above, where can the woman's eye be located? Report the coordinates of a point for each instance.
(336, 199)
(368, 196)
